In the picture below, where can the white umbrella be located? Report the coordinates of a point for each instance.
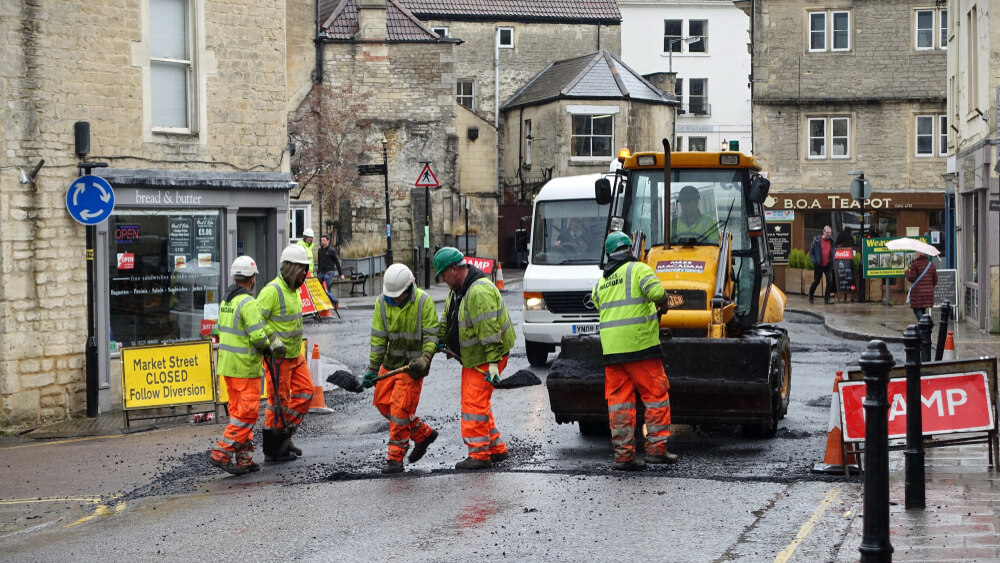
(912, 244)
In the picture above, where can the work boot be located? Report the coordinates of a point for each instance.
(252, 467)
(497, 458)
(810, 299)
(473, 464)
(630, 465)
(228, 466)
(666, 459)
(392, 466)
(293, 449)
(420, 448)
(287, 456)
(829, 301)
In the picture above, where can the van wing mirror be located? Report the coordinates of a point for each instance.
(759, 187)
(602, 191)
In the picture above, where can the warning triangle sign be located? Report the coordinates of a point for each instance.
(427, 179)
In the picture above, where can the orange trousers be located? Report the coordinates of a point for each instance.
(620, 384)
(244, 406)
(396, 398)
(296, 391)
(479, 431)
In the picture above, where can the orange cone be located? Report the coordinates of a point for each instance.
(318, 404)
(833, 460)
(500, 284)
(949, 348)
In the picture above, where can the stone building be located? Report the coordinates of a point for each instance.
(845, 87)
(973, 41)
(190, 118)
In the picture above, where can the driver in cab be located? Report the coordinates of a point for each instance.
(692, 224)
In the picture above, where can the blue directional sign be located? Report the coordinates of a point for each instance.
(90, 199)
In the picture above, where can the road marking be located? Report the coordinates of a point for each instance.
(99, 510)
(786, 554)
(32, 500)
(70, 441)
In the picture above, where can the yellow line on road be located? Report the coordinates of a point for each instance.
(828, 499)
(70, 441)
(33, 500)
(99, 510)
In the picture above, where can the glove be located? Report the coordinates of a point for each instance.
(420, 367)
(277, 347)
(493, 375)
(369, 379)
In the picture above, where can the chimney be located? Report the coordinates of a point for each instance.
(663, 80)
(371, 20)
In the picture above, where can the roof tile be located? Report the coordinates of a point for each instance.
(562, 10)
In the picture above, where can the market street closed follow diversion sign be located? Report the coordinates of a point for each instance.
(163, 376)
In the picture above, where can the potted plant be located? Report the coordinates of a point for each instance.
(797, 276)
(364, 254)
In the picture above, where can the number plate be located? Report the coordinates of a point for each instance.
(584, 329)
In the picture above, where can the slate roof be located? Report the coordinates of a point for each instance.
(340, 22)
(598, 76)
(567, 11)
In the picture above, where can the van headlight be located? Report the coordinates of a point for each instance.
(533, 301)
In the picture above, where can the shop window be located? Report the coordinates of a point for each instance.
(165, 274)
(299, 219)
(463, 93)
(829, 31)
(592, 135)
(171, 66)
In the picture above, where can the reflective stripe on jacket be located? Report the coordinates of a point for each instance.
(241, 337)
(485, 332)
(680, 229)
(400, 334)
(626, 300)
(282, 311)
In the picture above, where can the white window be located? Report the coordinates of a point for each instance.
(672, 34)
(931, 29)
(698, 144)
(930, 134)
(829, 31)
(299, 219)
(441, 30)
(679, 92)
(698, 29)
(678, 144)
(942, 135)
(834, 132)
(675, 40)
(463, 93)
(171, 67)
(592, 135)
(698, 96)
(527, 142)
(505, 37)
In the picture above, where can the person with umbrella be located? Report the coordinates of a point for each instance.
(922, 274)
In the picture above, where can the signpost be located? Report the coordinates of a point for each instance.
(861, 189)
(427, 180)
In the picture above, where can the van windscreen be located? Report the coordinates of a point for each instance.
(568, 232)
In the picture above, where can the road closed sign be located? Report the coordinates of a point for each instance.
(164, 376)
(950, 404)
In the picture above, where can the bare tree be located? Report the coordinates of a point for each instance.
(331, 133)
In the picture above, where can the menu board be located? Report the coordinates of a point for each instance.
(204, 234)
(179, 236)
(779, 241)
(844, 263)
(946, 288)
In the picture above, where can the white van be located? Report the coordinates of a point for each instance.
(565, 247)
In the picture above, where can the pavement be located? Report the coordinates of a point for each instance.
(962, 518)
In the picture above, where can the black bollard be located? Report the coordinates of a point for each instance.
(926, 328)
(876, 361)
(914, 453)
(942, 330)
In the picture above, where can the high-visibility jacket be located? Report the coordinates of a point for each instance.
(626, 299)
(242, 336)
(485, 333)
(281, 308)
(681, 229)
(309, 250)
(400, 334)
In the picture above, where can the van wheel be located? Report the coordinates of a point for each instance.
(537, 352)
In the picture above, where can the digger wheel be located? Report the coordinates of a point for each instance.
(782, 369)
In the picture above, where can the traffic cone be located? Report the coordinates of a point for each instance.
(500, 284)
(949, 348)
(833, 460)
(318, 404)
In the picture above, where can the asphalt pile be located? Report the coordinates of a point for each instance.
(521, 378)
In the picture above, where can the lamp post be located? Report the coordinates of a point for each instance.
(388, 226)
(670, 48)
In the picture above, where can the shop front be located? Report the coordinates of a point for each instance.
(162, 258)
(794, 219)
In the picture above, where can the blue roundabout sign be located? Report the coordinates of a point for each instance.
(90, 199)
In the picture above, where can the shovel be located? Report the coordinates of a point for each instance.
(276, 440)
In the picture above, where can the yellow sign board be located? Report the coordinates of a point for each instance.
(164, 376)
(319, 297)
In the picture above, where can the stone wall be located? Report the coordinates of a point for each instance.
(76, 61)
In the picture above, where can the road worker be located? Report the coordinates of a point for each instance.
(243, 340)
(628, 296)
(404, 333)
(478, 330)
(306, 242)
(692, 224)
(281, 308)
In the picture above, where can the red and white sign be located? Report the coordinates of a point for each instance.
(126, 261)
(950, 403)
(207, 325)
(307, 303)
(427, 179)
(843, 254)
(484, 264)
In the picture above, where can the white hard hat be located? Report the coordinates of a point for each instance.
(295, 254)
(244, 266)
(396, 279)
(307, 233)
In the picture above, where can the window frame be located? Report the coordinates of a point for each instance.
(942, 135)
(828, 31)
(938, 29)
(439, 28)
(678, 46)
(190, 76)
(846, 137)
(703, 37)
(943, 26)
(813, 31)
(294, 228)
(500, 43)
(459, 95)
(828, 138)
(691, 97)
(527, 142)
(810, 137)
(703, 141)
(833, 31)
(591, 114)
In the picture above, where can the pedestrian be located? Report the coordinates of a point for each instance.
(328, 262)
(477, 329)
(404, 333)
(922, 274)
(821, 253)
(628, 297)
(281, 308)
(306, 242)
(243, 341)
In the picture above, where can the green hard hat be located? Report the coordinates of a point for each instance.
(446, 257)
(615, 241)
